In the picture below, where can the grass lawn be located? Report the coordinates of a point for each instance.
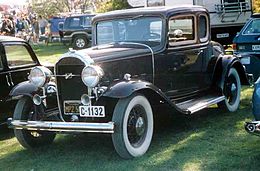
(50, 53)
(209, 140)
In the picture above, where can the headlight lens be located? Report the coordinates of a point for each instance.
(39, 75)
(91, 75)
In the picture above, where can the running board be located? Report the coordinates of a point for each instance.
(194, 105)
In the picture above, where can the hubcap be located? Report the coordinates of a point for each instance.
(137, 126)
(80, 43)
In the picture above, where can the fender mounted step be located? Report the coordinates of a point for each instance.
(193, 105)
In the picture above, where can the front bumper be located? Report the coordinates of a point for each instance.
(62, 126)
(253, 127)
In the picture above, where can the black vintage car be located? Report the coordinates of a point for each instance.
(16, 60)
(142, 59)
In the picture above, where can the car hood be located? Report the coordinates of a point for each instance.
(107, 53)
(247, 39)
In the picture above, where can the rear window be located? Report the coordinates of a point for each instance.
(253, 27)
(77, 22)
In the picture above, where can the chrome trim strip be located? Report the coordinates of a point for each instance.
(63, 126)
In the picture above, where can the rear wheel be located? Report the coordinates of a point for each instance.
(133, 119)
(232, 89)
(30, 139)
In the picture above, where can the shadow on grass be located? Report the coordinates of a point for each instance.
(210, 140)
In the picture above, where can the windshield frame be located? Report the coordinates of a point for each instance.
(156, 48)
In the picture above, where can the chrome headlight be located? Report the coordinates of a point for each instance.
(39, 75)
(91, 75)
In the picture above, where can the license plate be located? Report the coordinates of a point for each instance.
(92, 111)
(245, 60)
(223, 35)
(71, 107)
(255, 47)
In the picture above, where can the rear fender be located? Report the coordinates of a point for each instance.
(223, 66)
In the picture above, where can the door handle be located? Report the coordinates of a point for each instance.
(7, 80)
(11, 79)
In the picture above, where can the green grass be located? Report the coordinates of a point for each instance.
(50, 53)
(210, 140)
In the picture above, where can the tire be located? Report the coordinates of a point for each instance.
(80, 42)
(231, 90)
(128, 113)
(30, 139)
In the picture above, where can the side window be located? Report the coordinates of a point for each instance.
(18, 55)
(87, 21)
(203, 28)
(182, 30)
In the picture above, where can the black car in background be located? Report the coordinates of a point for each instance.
(143, 60)
(247, 45)
(16, 61)
(76, 30)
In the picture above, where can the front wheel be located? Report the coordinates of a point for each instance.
(80, 42)
(133, 117)
(25, 109)
(231, 90)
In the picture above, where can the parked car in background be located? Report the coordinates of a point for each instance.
(254, 126)
(16, 61)
(247, 45)
(143, 59)
(76, 30)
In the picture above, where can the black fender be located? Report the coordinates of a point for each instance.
(223, 65)
(124, 89)
(24, 88)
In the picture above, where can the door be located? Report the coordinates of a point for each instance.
(179, 68)
(19, 63)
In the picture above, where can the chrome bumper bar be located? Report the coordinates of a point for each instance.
(62, 126)
(253, 127)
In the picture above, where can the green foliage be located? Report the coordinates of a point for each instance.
(256, 6)
(111, 5)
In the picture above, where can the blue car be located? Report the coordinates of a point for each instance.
(246, 45)
(254, 126)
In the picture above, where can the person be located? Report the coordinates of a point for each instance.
(48, 33)
(42, 24)
(7, 26)
(35, 30)
(19, 28)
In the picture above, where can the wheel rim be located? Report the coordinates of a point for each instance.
(137, 126)
(231, 89)
(80, 43)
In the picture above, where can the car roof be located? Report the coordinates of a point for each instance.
(80, 15)
(10, 39)
(256, 15)
(161, 10)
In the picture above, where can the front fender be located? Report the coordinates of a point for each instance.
(24, 88)
(124, 89)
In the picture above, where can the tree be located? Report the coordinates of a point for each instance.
(256, 6)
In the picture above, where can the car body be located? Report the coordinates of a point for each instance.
(16, 61)
(141, 60)
(247, 45)
(77, 30)
(254, 126)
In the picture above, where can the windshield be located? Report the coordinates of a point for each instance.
(147, 30)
